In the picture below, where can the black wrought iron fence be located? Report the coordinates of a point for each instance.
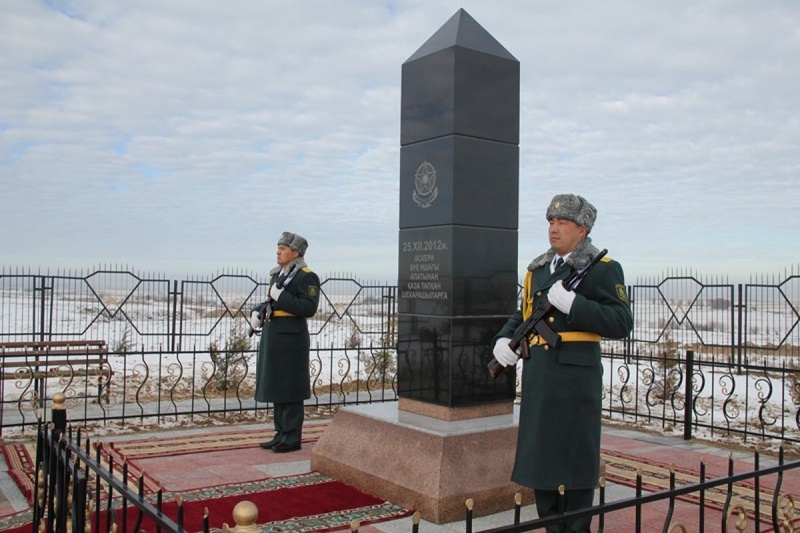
(132, 311)
(669, 511)
(747, 323)
(710, 356)
(78, 489)
(178, 347)
(181, 348)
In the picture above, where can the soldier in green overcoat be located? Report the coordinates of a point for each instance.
(282, 369)
(560, 412)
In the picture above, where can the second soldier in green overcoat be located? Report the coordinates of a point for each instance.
(282, 369)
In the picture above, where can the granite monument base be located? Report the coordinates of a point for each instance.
(431, 465)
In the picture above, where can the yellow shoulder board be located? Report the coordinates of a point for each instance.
(527, 298)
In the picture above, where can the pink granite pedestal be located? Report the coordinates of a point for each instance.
(431, 464)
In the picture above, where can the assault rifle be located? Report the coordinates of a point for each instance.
(536, 322)
(266, 311)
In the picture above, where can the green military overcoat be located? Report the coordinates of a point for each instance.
(282, 368)
(560, 412)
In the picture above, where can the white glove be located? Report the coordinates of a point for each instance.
(503, 352)
(255, 323)
(275, 292)
(561, 298)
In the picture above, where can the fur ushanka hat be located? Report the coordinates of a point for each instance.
(574, 208)
(294, 241)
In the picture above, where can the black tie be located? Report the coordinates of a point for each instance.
(559, 262)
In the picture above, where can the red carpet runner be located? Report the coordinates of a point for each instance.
(306, 502)
(302, 503)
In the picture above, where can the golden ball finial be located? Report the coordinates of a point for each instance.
(59, 401)
(245, 514)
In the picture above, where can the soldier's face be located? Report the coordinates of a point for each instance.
(565, 235)
(286, 255)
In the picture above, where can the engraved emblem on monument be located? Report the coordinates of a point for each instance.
(426, 189)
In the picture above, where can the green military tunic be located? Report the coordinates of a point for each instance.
(560, 412)
(282, 368)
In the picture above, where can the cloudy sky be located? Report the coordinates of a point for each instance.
(183, 136)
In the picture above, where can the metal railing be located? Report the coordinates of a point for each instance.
(75, 492)
(710, 355)
(179, 348)
(733, 513)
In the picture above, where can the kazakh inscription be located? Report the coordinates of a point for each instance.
(422, 279)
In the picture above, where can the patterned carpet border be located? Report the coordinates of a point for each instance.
(337, 520)
(253, 487)
(21, 468)
(204, 442)
(621, 468)
(16, 520)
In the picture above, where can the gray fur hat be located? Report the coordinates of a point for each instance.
(294, 241)
(574, 208)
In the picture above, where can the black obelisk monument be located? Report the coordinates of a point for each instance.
(452, 435)
(459, 206)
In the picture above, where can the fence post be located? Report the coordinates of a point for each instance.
(59, 415)
(628, 341)
(174, 333)
(740, 309)
(689, 400)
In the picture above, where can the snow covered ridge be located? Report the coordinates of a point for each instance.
(173, 342)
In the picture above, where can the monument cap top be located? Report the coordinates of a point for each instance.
(462, 30)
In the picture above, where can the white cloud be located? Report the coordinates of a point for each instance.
(190, 134)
